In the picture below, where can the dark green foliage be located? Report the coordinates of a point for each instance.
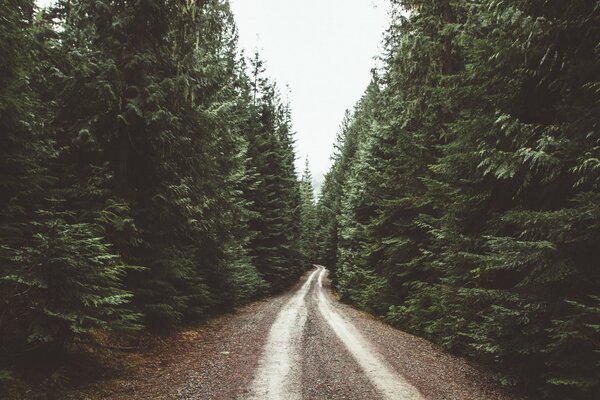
(72, 282)
(468, 213)
(272, 189)
(60, 278)
(145, 182)
(308, 216)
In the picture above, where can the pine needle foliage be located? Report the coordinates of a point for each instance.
(466, 208)
(147, 176)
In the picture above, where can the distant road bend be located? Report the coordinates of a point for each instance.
(302, 344)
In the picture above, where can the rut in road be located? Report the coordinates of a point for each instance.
(278, 376)
(300, 344)
(279, 373)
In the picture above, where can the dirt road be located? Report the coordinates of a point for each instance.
(302, 345)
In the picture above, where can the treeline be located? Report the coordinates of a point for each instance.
(146, 172)
(464, 202)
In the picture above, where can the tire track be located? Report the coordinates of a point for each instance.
(390, 384)
(278, 375)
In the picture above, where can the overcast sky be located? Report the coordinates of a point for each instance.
(324, 51)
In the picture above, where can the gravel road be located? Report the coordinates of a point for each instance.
(302, 344)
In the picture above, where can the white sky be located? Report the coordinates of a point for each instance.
(324, 51)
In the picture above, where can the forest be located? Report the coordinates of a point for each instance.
(464, 202)
(147, 174)
(147, 182)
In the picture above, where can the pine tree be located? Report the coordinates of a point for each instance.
(60, 278)
(358, 281)
(469, 217)
(22, 173)
(328, 227)
(273, 191)
(139, 166)
(308, 216)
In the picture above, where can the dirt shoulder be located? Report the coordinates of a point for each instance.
(219, 360)
(214, 361)
(437, 374)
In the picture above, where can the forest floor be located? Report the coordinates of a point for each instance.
(302, 344)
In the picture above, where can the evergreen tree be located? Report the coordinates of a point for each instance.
(468, 214)
(127, 168)
(60, 277)
(357, 279)
(308, 216)
(327, 222)
(273, 190)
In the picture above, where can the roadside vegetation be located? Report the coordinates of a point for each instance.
(464, 202)
(147, 183)
(147, 177)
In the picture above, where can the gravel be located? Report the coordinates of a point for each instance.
(219, 360)
(437, 374)
(329, 371)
